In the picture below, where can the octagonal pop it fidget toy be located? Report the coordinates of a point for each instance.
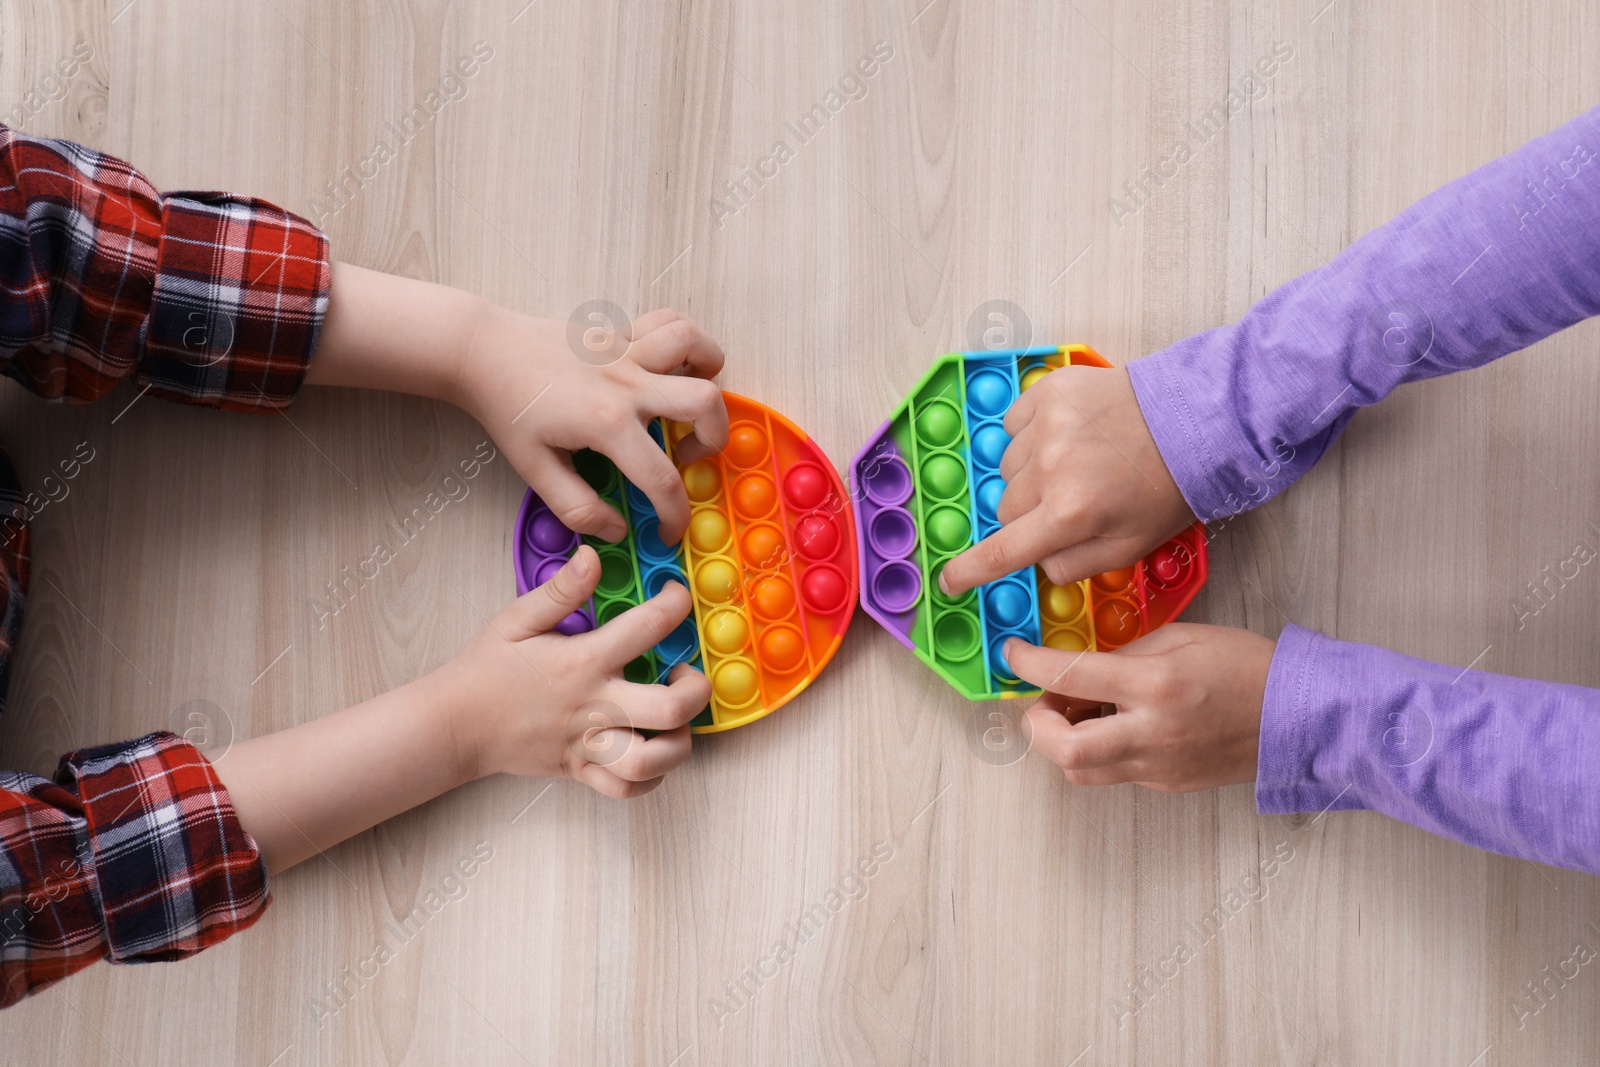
(771, 546)
(928, 486)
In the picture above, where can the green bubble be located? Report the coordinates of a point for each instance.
(948, 529)
(969, 599)
(640, 670)
(956, 636)
(616, 571)
(606, 610)
(944, 476)
(595, 469)
(939, 424)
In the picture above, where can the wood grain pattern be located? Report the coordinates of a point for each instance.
(1011, 910)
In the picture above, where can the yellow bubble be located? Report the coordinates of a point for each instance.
(709, 530)
(1063, 602)
(735, 683)
(716, 581)
(1031, 378)
(1066, 641)
(702, 480)
(726, 632)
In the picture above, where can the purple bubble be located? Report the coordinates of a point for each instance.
(547, 534)
(576, 623)
(886, 480)
(896, 587)
(892, 533)
(547, 570)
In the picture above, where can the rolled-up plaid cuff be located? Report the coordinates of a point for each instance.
(176, 872)
(241, 291)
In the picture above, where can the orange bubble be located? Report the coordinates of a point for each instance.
(1114, 581)
(782, 648)
(1062, 602)
(754, 495)
(762, 545)
(702, 481)
(747, 445)
(735, 682)
(1066, 641)
(773, 597)
(726, 631)
(1116, 622)
(709, 530)
(716, 581)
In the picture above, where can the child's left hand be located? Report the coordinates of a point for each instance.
(1188, 701)
(541, 402)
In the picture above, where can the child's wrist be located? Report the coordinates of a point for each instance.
(461, 724)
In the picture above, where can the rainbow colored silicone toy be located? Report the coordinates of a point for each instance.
(771, 545)
(927, 486)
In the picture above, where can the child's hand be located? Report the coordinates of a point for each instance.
(1188, 703)
(526, 700)
(1086, 488)
(541, 403)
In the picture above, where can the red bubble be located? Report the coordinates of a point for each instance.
(805, 487)
(824, 588)
(816, 536)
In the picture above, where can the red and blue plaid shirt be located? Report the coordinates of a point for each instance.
(133, 851)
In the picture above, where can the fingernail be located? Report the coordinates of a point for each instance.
(613, 532)
(944, 584)
(582, 562)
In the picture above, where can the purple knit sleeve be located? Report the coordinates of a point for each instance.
(1505, 764)
(1484, 266)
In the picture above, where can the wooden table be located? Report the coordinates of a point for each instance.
(598, 151)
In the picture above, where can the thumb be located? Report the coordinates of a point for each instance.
(540, 609)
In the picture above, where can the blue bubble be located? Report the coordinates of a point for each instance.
(988, 392)
(647, 538)
(1007, 604)
(989, 444)
(989, 492)
(680, 644)
(656, 579)
(639, 504)
(997, 659)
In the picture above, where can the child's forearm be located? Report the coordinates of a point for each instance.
(387, 332)
(305, 789)
(1506, 764)
(1486, 265)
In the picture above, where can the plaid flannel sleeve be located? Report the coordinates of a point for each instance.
(133, 854)
(205, 298)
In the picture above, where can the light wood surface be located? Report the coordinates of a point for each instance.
(581, 164)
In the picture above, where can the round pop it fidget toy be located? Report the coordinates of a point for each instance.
(928, 486)
(769, 559)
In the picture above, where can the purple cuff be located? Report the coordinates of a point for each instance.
(1504, 764)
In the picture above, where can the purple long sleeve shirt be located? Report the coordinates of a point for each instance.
(1484, 266)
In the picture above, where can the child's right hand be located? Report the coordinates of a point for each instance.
(524, 699)
(1086, 488)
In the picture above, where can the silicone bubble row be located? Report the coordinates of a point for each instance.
(545, 546)
(1064, 615)
(1009, 604)
(943, 504)
(657, 564)
(1117, 603)
(717, 488)
(989, 396)
(894, 579)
